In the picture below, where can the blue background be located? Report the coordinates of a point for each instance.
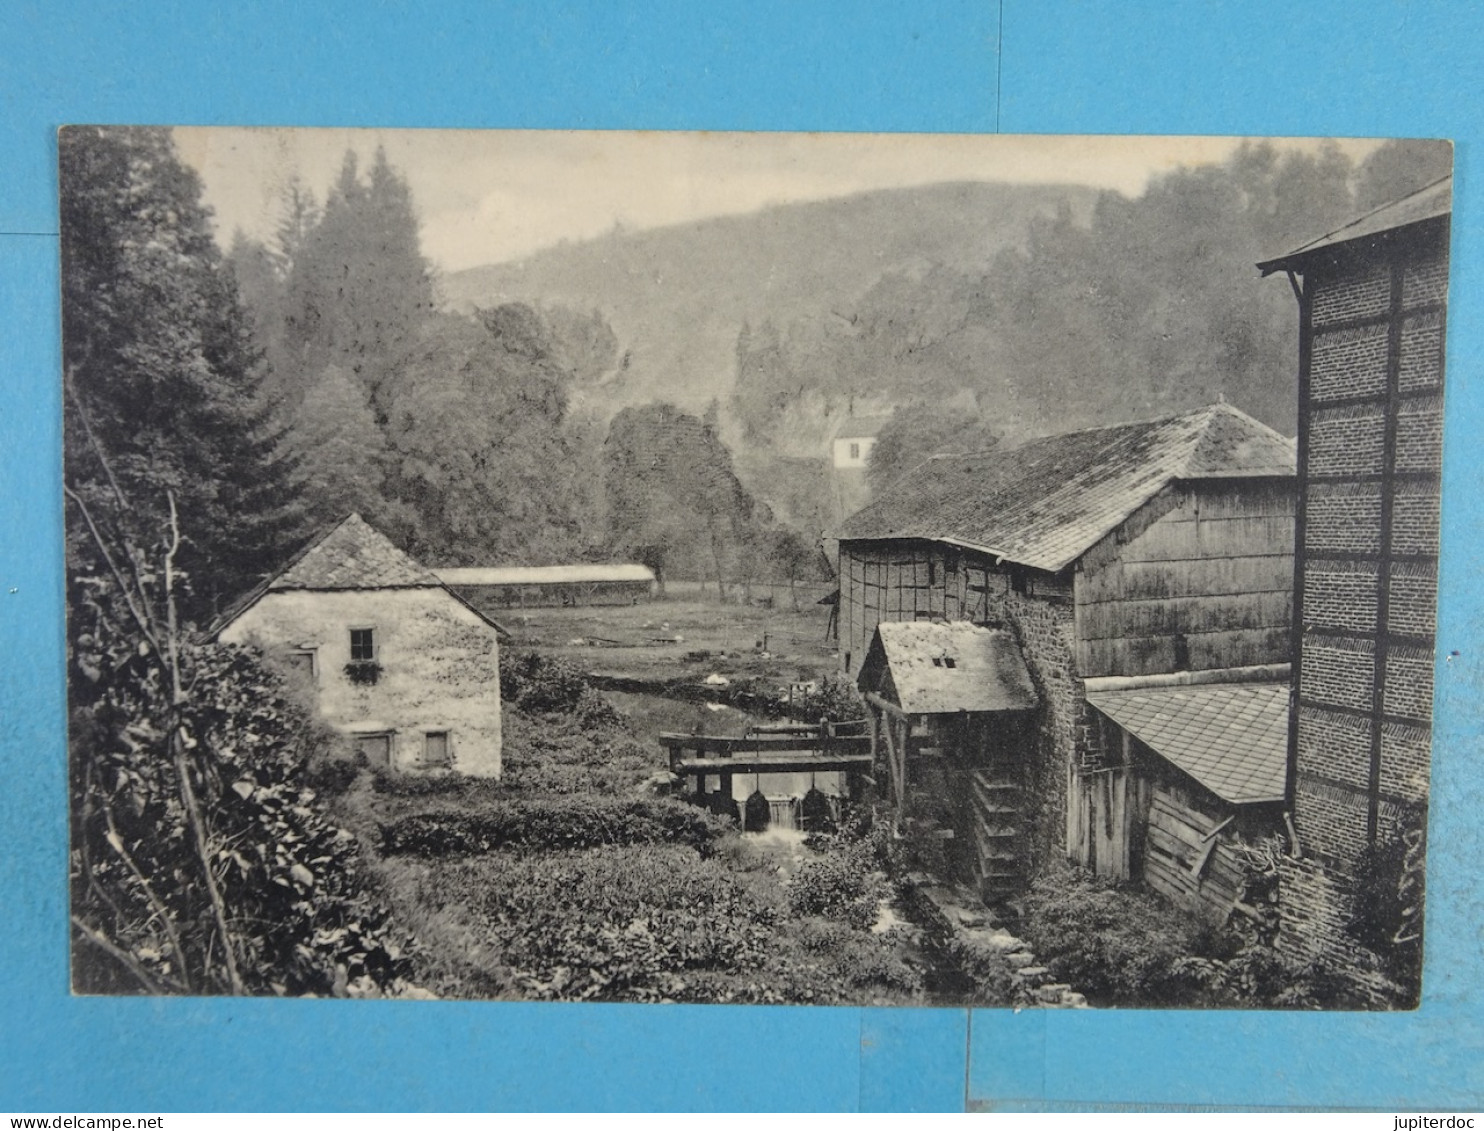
(1028, 66)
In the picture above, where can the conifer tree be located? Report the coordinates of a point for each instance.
(161, 369)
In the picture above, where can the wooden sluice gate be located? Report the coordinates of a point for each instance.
(778, 749)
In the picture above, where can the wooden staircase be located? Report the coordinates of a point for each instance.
(996, 800)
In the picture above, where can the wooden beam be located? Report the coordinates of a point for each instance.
(885, 705)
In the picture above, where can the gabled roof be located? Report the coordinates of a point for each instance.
(939, 668)
(1428, 203)
(350, 555)
(545, 575)
(861, 427)
(1046, 502)
(1232, 738)
(353, 555)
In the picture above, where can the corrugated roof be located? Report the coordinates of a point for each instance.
(354, 555)
(1046, 502)
(545, 575)
(1232, 738)
(859, 427)
(1426, 203)
(940, 668)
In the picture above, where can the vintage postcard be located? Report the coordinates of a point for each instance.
(752, 568)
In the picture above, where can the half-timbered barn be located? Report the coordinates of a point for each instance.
(1373, 304)
(394, 659)
(1134, 553)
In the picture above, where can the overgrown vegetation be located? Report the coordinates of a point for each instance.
(549, 825)
(1390, 897)
(203, 860)
(1126, 947)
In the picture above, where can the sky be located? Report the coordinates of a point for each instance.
(491, 196)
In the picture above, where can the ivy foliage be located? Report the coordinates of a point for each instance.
(296, 918)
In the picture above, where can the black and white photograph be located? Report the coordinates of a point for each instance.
(751, 568)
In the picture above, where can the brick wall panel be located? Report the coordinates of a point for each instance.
(1422, 352)
(1340, 595)
(1338, 672)
(1412, 608)
(1348, 363)
(1419, 435)
(1352, 296)
(1347, 441)
(1335, 746)
(1343, 517)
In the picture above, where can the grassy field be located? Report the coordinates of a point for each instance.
(682, 639)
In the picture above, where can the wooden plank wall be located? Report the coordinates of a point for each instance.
(1212, 563)
(1106, 814)
(1181, 863)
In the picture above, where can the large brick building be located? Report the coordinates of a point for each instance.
(1154, 558)
(1372, 315)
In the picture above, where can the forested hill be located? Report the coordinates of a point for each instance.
(677, 296)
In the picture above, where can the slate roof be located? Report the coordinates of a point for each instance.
(1232, 738)
(939, 668)
(1046, 502)
(1426, 203)
(353, 555)
(545, 575)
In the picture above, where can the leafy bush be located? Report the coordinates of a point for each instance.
(1121, 946)
(834, 697)
(991, 973)
(568, 823)
(541, 684)
(284, 879)
(839, 884)
(632, 924)
(557, 754)
(1388, 906)
(1115, 944)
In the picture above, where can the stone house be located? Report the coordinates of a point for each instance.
(1373, 308)
(1155, 556)
(396, 660)
(850, 452)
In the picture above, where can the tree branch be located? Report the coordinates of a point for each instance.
(116, 842)
(182, 759)
(70, 386)
(119, 955)
(140, 617)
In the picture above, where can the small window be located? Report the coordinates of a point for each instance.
(362, 645)
(376, 749)
(436, 748)
(855, 451)
(305, 661)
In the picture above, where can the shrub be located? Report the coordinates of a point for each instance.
(558, 754)
(296, 913)
(991, 973)
(634, 924)
(541, 684)
(568, 823)
(839, 884)
(1114, 944)
(835, 698)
